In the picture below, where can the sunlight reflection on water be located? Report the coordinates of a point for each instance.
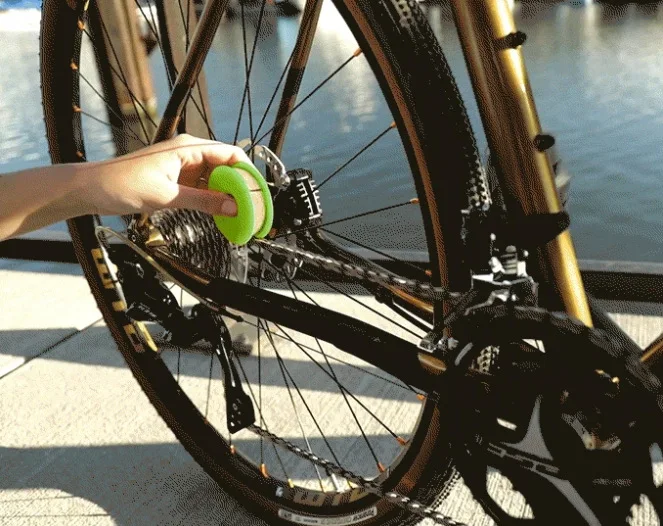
(597, 75)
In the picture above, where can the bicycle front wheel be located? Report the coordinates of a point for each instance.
(413, 149)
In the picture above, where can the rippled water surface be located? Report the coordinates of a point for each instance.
(596, 71)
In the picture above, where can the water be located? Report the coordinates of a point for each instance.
(596, 72)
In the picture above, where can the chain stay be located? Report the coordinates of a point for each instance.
(383, 278)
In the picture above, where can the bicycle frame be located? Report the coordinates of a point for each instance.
(497, 71)
(492, 48)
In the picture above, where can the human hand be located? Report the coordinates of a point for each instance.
(171, 174)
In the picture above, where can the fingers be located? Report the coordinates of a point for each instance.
(194, 151)
(208, 201)
(199, 157)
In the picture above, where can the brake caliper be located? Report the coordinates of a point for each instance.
(297, 207)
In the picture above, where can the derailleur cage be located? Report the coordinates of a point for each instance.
(239, 408)
(148, 299)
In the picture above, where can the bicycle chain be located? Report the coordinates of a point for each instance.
(402, 501)
(559, 320)
(382, 277)
(427, 291)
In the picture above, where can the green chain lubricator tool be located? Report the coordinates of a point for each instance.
(255, 210)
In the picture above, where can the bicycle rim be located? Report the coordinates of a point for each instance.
(414, 470)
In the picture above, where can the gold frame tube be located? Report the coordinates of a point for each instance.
(504, 96)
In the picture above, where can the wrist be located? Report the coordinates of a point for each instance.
(78, 197)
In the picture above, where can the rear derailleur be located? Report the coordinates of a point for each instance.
(149, 300)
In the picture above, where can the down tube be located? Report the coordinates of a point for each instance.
(491, 44)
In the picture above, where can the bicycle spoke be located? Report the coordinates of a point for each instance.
(247, 72)
(273, 97)
(185, 21)
(313, 92)
(248, 67)
(292, 283)
(376, 251)
(301, 53)
(188, 15)
(186, 25)
(283, 369)
(179, 348)
(209, 383)
(338, 383)
(345, 392)
(123, 79)
(356, 155)
(119, 129)
(335, 377)
(308, 409)
(172, 76)
(110, 108)
(263, 423)
(307, 19)
(403, 385)
(345, 294)
(120, 76)
(413, 201)
(152, 25)
(210, 132)
(259, 354)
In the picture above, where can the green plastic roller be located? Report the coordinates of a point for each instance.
(255, 210)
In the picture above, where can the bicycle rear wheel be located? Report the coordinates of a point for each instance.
(401, 442)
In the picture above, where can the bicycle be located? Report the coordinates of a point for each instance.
(475, 317)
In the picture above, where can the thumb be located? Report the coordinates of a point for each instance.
(208, 201)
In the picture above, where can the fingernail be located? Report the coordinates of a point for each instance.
(229, 208)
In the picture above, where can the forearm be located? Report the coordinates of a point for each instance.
(35, 198)
(164, 175)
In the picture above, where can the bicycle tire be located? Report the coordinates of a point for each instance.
(422, 94)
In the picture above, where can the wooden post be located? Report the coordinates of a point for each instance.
(178, 27)
(124, 71)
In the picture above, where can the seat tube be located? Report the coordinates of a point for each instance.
(492, 48)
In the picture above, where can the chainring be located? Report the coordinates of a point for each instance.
(514, 421)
